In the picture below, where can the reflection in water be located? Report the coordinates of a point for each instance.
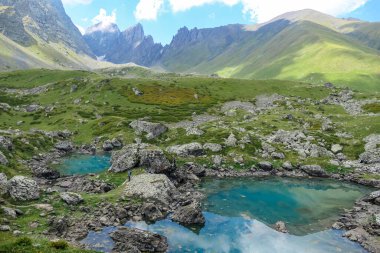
(238, 234)
(238, 213)
(306, 205)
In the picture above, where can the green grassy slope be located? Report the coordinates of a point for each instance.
(302, 51)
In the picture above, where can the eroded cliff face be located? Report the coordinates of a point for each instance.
(22, 19)
(132, 45)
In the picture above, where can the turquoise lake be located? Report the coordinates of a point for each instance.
(240, 212)
(80, 164)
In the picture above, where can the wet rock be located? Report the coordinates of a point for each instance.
(151, 212)
(135, 240)
(281, 227)
(314, 170)
(190, 214)
(152, 130)
(3, 159)
(71, 198)
(23, 188)
(3, 184)
(266, 166)
(154, 187)
(65, 146)
(185, 150)
(214, 147)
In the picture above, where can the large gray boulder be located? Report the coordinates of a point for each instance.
(314, 170)
(370, 156)
(23, 188)
(152, 130)
(135, 240)
(66, 146)
(189, 215)
(71, 198)
(153, 187)
(3, 159)
(143, 155)
(3, 184)
(185, 150)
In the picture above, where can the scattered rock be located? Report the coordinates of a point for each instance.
(231, 141)
(266, 166)
(9, 212)
(23, 188)
(3, 184)
(214, 147)
(135, 240)
(6, 143)
(190, 214)
(336, 148)
(277, 155)
(116, 143)
(152, 130)
(65, 146)
(194, 131)
(5, 228)
(137, 92)
(151, 212)
(153, 187)
(185, 150)
(144, 155)
(217, 160)
(314, 170)
(3, 159)
(107, 145)
(281, 227)
(71, 198)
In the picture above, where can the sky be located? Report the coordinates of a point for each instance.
(163, 18)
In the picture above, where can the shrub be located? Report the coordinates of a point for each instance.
(23, 241)
(61, 244)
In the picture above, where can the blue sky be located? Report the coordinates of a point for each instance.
(162, 18)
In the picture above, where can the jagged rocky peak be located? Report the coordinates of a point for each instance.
(131, 45)
(103, 27)
(46, 19)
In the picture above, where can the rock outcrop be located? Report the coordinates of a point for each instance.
(190, 214)
(152, 187)
(71, 198)
(314, 170)
(135, 240)
(152, 130)
(185, 150)
(143, 155)
(23, 188)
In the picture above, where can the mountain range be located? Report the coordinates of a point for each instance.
(304, 45)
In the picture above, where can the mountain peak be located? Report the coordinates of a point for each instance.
(103, 27)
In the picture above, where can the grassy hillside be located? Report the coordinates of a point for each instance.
(301, 51)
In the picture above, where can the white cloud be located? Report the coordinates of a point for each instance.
(148, 9)
(81, 29)
(264, 10)
(260, 10)
(103, 22)
(76, 2)
(103, 18)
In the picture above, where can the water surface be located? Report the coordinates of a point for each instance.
(239, 214)
(80, 164)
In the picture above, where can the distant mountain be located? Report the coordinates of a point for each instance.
(38, 33)
(131, 45)
(304, 45)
